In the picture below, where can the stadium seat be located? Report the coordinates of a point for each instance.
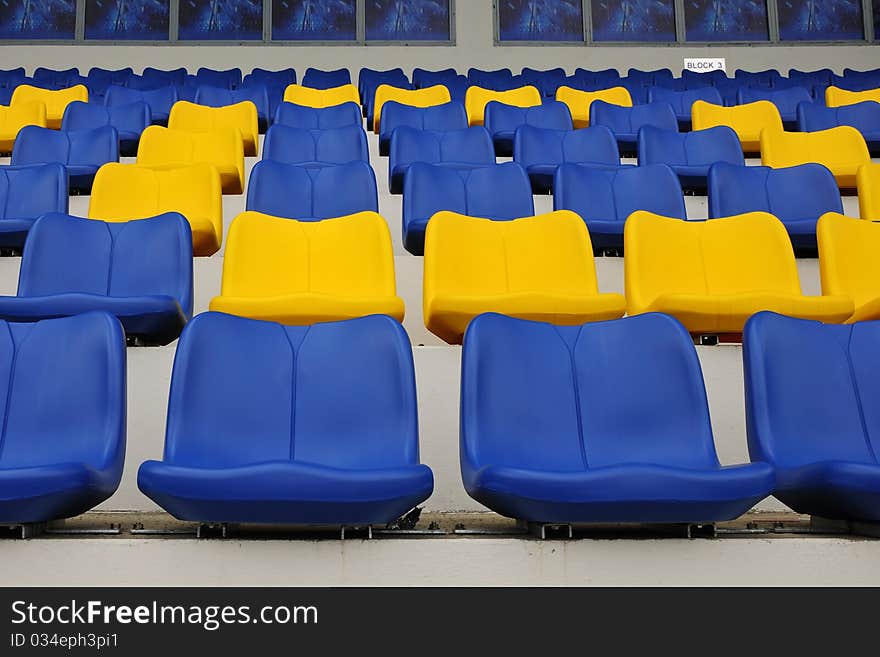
(128, 120)
(690, 154)
(139, 271)
(498, 80)
(538, 268)
(305, 272)
(810, 413)
(317, 79)
(785, 100)
(350, 386)
(122, 192)
(843, 150)
(547, 81)
(695, 80)
(217, 97)
(82, 152)
(713, 275)
(579, 102)
(458, 88)
(653, 78)
(821, 78)
(310, 118)
(295, 192)
(460, 149)
(682, 101)
(161, 78)
(766, 79)
(281, 77)
(100, 79)
(477, 98)
(64, 435)
(228, 79)
(15, 117)
(160, 100)
(848, 263)
(315, 148)
(748, 121)
(605, 198)
(47, 78)
(422, 78)
(448, 116)
(428, 97)
(868, 186)
(55, 101)
(369, 79)
(623, 419)
(837, 97)
(27, 193)
(541, 151)
(499, 192)
(198, 118)
(321, 98)
(592, 80)
(625, 122)
(864, 117)
(222, 149)
(502, 121)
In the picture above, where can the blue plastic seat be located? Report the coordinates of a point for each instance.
(541, 151)
(228, 79)
(153, 78)
(611, 425)
(310, 118)
(458, 88)
(766, 79)
(502, 120)
(498, 80)
(219, 97)
(328, 412)
(27, 193)
(318, 79)
(605, 198)
(448, 116)
(864, 117)
(594, 80)
(56, 79)
(128, 120)
(82, 152)
(369, 81)
(811, 413)
(139, 271)
(12, 76)
(650, 78)
(786, 100)
(315, 148)
(305, 194)
(625, 122)
(500, 192)
(64, 425)
(683, 101)
(369, 101)
(422, 78)
(282, 77)
(729, 91)
(546, 81)
(797, 196)
(820, 78)
(460, 149)
(694, 80)
(857, 80)
(100, 79)
(160, 100)
(690, 154)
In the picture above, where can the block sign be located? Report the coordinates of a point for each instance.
(705, 64)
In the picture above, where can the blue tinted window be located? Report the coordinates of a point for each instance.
(407, 20)
(127, 19)
(541, 20)
(633, 20)
(221, 20)
(820, 20)
(314, 20)
(37, 19)
(726, 20)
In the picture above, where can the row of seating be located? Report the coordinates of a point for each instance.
(318, 425)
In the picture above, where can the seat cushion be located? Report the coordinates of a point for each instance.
(832, 489)
(308, 308)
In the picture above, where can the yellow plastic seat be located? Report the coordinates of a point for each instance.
(427, 97)
(305, 272)
(713, 275)
(579, 102)
(56, 101)
(539, 268)
(868, 185)
(14, 117)
(837, 97)
(199, 118)
(122, 192)
(320, 98)
(843, 150)
(223, 149)
(476, 99)
(848, 262)
(747, 121)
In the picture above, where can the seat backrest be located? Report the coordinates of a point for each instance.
(623, 120)
(429, 189)
(843, 145)
(423, 78)
(748, 121)
(320, 98)
(228, 79)
(579, 102)
(448, 116)
(55, 78)
(161, 77)
(570, 414)
(56, 101)
(477, 98)
(299, 146)
(160, 100)
(868, 185)
(221, 97)
(837, 97)
(368, 77)
(682, 101)
(163, 146)
(293, 192)
(85, 116)
(191, 117)
(595, 144)
(614, 194)
(427, 97)
(696, 148)
(318, 79)
(468, 146)
(551, 115)
(79, 147)
(282, 77)
(137, 258)
(864, 117)
(310, 118)
(822, 77)
(801, 192)
(758, 78)
(499, 80)
(786, 100)
(809, 391)
(64, 392)
(27, 192)
(848, 265)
